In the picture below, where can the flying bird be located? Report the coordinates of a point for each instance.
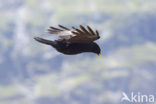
(73, 41)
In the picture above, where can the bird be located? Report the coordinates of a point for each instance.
(73, 41)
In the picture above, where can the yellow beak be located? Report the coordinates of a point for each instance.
(99, 55)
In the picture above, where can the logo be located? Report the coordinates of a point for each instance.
(137, 97)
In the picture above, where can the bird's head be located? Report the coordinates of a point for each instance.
(96, 49)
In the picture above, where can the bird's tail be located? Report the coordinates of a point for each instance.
(44, 41)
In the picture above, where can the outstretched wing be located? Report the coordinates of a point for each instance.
(76, 35)
(84, 35)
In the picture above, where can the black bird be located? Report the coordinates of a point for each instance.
(74, 41)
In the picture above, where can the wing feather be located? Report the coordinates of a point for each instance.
(54, 28)
(90, 30)
(63, 27)
(97, 34)
(82, 35)
(84, 30)
(79, 31)
(75, 33)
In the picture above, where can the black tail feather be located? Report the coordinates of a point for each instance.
(44, 41)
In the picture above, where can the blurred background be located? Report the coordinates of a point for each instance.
(32, 73)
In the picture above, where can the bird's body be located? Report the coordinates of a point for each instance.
(74, 41)
(72, 49)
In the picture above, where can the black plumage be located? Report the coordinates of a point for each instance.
(74, 41)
